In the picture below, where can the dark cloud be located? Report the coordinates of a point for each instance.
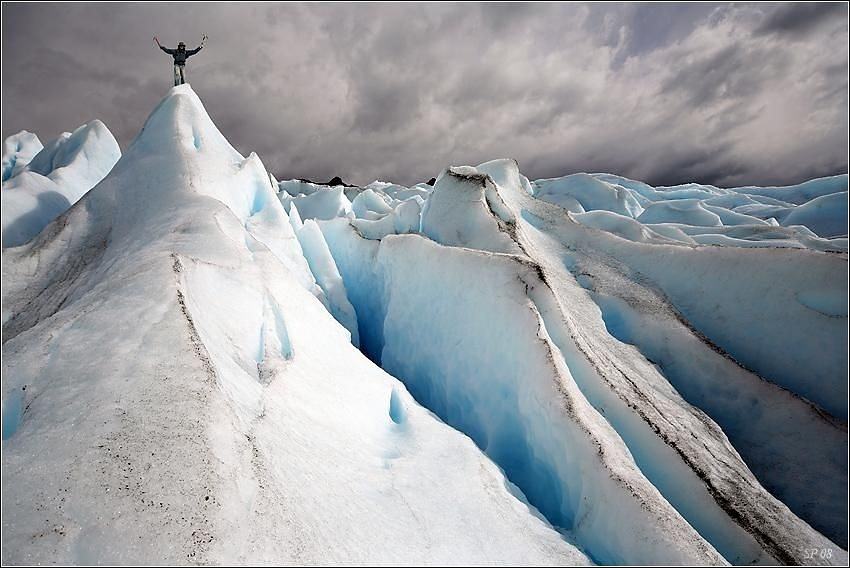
(638, 28)
(732, 72)
(801, 18)
(725, 94)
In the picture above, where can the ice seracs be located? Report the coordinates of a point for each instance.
(18, 150)
(826, 216)
(589, 277)
(41, 183)
(590, 193)
(460, 209)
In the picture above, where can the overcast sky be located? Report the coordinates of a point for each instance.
(666, 93)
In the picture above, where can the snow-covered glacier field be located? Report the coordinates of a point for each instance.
(205, 365)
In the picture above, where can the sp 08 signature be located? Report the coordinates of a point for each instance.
(822, 553)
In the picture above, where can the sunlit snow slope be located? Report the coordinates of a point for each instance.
(202, 364)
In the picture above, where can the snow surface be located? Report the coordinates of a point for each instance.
(576, 370)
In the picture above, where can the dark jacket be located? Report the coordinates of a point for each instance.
(181, 55)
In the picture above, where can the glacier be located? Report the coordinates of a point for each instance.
(202, 364)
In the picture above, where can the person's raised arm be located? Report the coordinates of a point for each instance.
(165, 49)
(199, 48)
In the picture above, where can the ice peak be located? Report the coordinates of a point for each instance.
(180, 125)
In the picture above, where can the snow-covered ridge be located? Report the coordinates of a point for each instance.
(559, 371)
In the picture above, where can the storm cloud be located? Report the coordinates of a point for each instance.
(666, 93)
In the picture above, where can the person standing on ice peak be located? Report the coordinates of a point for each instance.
(180, 55)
